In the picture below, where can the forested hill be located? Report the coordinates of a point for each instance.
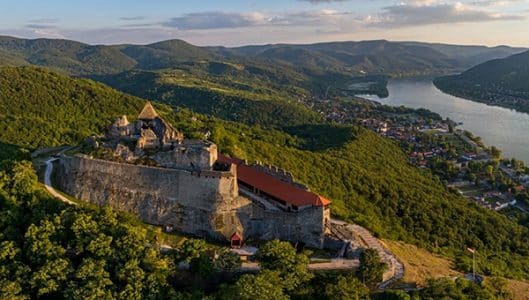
(41, 108)
(223, 91)
(501, 82)
(374, 57)
(367, 177)
(316, 60)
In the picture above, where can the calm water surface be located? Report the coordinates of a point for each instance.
(504, 128)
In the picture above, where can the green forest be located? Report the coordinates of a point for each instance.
(367, 177)
(49, 250)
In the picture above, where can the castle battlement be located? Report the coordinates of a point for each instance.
(188, 186)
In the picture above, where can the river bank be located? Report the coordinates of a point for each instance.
(504, 128)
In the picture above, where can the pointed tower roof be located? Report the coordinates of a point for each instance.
(148, 112)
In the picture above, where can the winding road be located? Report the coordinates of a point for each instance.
(48, 185)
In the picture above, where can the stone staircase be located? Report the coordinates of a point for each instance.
(395, 269)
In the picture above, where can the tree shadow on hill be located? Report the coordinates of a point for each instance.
(10, 153)
(320, 137)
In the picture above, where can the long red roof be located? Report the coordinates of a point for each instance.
(273, 186)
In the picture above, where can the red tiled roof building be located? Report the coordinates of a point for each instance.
(273, 188)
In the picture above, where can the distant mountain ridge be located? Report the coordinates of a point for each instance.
(502, 82)
(352, 58)
(377, 56)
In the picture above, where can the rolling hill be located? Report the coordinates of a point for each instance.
(67, 56)
(501, 82)
(41, 108)
(350, 58)
(266, 85)
(222, 91)
(374, 57)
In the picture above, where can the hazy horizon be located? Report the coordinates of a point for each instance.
(237, 22)
(265, 44)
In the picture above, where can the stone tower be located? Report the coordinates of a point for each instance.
(154, 132)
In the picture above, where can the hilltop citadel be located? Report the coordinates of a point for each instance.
(187, 185)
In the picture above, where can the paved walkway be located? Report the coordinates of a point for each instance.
(395, 268)
(332, 264)
(47, 182)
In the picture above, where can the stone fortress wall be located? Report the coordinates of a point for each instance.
(203, 203)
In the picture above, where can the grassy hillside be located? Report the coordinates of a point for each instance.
(420, 264)
(367, 177)
(500, 82)
(220, 90)
(41, 108)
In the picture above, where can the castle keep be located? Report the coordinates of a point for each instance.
(167, 180)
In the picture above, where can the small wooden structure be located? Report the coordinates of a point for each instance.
(236, 241)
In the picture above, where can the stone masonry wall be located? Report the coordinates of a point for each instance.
(305, 226)
(205, 204)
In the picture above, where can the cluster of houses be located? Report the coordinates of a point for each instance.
(490, 199)
(375, 125)
(495, 200)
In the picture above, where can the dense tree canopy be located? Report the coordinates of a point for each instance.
(371, 268)
(282, 257)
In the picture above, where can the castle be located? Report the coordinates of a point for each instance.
(187, 185)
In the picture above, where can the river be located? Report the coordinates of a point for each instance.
(501, 127)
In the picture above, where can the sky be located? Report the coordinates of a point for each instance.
(238, 22)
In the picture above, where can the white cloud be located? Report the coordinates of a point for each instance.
(211, 20)
(399, 20)
(322, 1)
(424, 12)
(219, 20)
